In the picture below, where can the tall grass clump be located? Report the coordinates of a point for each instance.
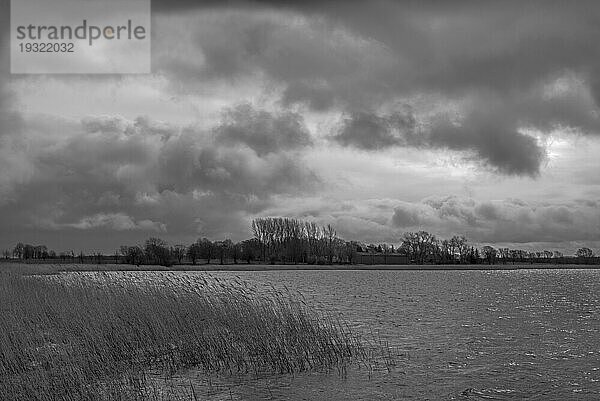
(85, 336)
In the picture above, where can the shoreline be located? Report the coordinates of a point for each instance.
(78, 267)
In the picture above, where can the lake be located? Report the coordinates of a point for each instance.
(455, 335)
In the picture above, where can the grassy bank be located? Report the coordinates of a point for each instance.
(78, 267)
(96, 336)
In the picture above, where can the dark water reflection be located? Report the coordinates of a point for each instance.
(521, 334)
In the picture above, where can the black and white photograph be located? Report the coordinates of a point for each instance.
(299, 200)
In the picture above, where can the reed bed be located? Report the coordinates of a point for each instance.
(102, 336)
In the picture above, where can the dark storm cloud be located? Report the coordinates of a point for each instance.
(237, 171)
(370, 131)
(487, 210)
(262, 131)
(316, 60)
(494, 139)
(186, 5)
(509, 220)
(450, 47)
(181, 160)
(317, 95)
(489, 135)
(406, 217)
(113, 174)
(493, 127)
(357, 56)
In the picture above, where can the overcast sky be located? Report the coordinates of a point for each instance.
(477, 118)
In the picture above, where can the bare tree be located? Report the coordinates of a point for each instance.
(236, 252)
(330, 237)
(194, 252)
(584, 252)
(179, 252)
(157, 251)
(260, 230)
(504, 254)
(489, 254)
(420, 246)
(19, 251)
(133, 255)
(223, 249)
(207, 250)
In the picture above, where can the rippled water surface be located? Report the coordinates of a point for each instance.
(520, 334)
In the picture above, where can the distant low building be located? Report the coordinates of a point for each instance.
(365, 258)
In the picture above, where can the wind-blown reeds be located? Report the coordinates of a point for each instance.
(95, 336)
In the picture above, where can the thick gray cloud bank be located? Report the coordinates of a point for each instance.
(494, 140)
(110, 174)
(262, 131)
(383, 131)
(501, 59)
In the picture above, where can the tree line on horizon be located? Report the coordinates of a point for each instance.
(295, 241)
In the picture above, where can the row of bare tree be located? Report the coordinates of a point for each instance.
(27, 251)
(296, 241)
(423, 247)
(288, 240)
